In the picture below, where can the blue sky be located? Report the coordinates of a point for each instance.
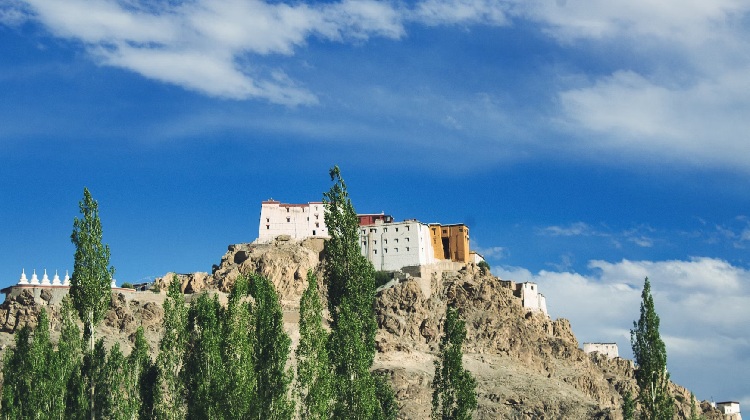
(587, 144)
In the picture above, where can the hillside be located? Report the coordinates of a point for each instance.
(527, 365)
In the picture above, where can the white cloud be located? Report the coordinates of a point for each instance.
(574, 229)
(201, 44)
(702, 304)
(440, 12)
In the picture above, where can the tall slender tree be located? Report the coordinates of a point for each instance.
(453, 387)
(237, 351)
(169, 390)
(204, 372)
(26, 372)
(650, 356)
(272, 347)
(351, 295)
(92, 274)
(314, 381)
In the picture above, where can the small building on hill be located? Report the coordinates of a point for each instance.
(607, 349)
(730, 409)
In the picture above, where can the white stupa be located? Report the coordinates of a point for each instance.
(23, 279)
(34, 278)
(56, 280)
(114, 284)
(45, 279)
(66, 282)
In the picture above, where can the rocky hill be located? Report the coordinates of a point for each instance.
(527, 365)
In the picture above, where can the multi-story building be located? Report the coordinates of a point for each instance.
(392, 246)
(299, 221)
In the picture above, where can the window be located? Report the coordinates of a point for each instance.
(287, 209)
(374, 242)
(308, 219)
(385, 250)
(407, 249)
(374, 251)
(364, 243)
(385, 229)
(407, 239)
(385, 241)
(396, 229)
(407, 228)
(445, 231)
(313, 233)
(395, 249)
(267, 220)
(372, 230)
(268, 227)
(288, 219)
(317, 224)
(316, 217)
(364, 231)
(396, 240)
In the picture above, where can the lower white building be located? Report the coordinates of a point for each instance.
(729, 408)
(392, 246)
(608, 349)
(531, 298)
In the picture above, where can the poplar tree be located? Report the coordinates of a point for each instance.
(241, 385)
(141, 379)
(204, 372)
(650, 356)
(453, 387)
(351, 297)
(91, 279)
(169, 390)
(314, 381)
(272, 346)
(26, 374)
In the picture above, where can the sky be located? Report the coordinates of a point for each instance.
(587, 144)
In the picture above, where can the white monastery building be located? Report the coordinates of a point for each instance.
(299, 221)
(532, 299)
(392, 246)
(730, 409)
(607, 349)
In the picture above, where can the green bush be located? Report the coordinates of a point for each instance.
(484, 266)
(127, 285)
(382, 277)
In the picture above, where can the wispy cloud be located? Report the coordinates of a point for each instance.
(208, 46)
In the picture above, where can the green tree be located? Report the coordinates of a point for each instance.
(141, 378)
(90, 283)
(26, 372)
(628, 406)
(314, 386)
(204, 372)
(169, 390)
(387, 408)
(453, 387)
(351, 295)
(272, 346)
(650, 356)
(241, 385)
(68, 360)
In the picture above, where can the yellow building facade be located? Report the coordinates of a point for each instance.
(450, 242)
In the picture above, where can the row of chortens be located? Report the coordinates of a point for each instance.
(46, 281)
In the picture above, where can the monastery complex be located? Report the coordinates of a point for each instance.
(410, 246)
